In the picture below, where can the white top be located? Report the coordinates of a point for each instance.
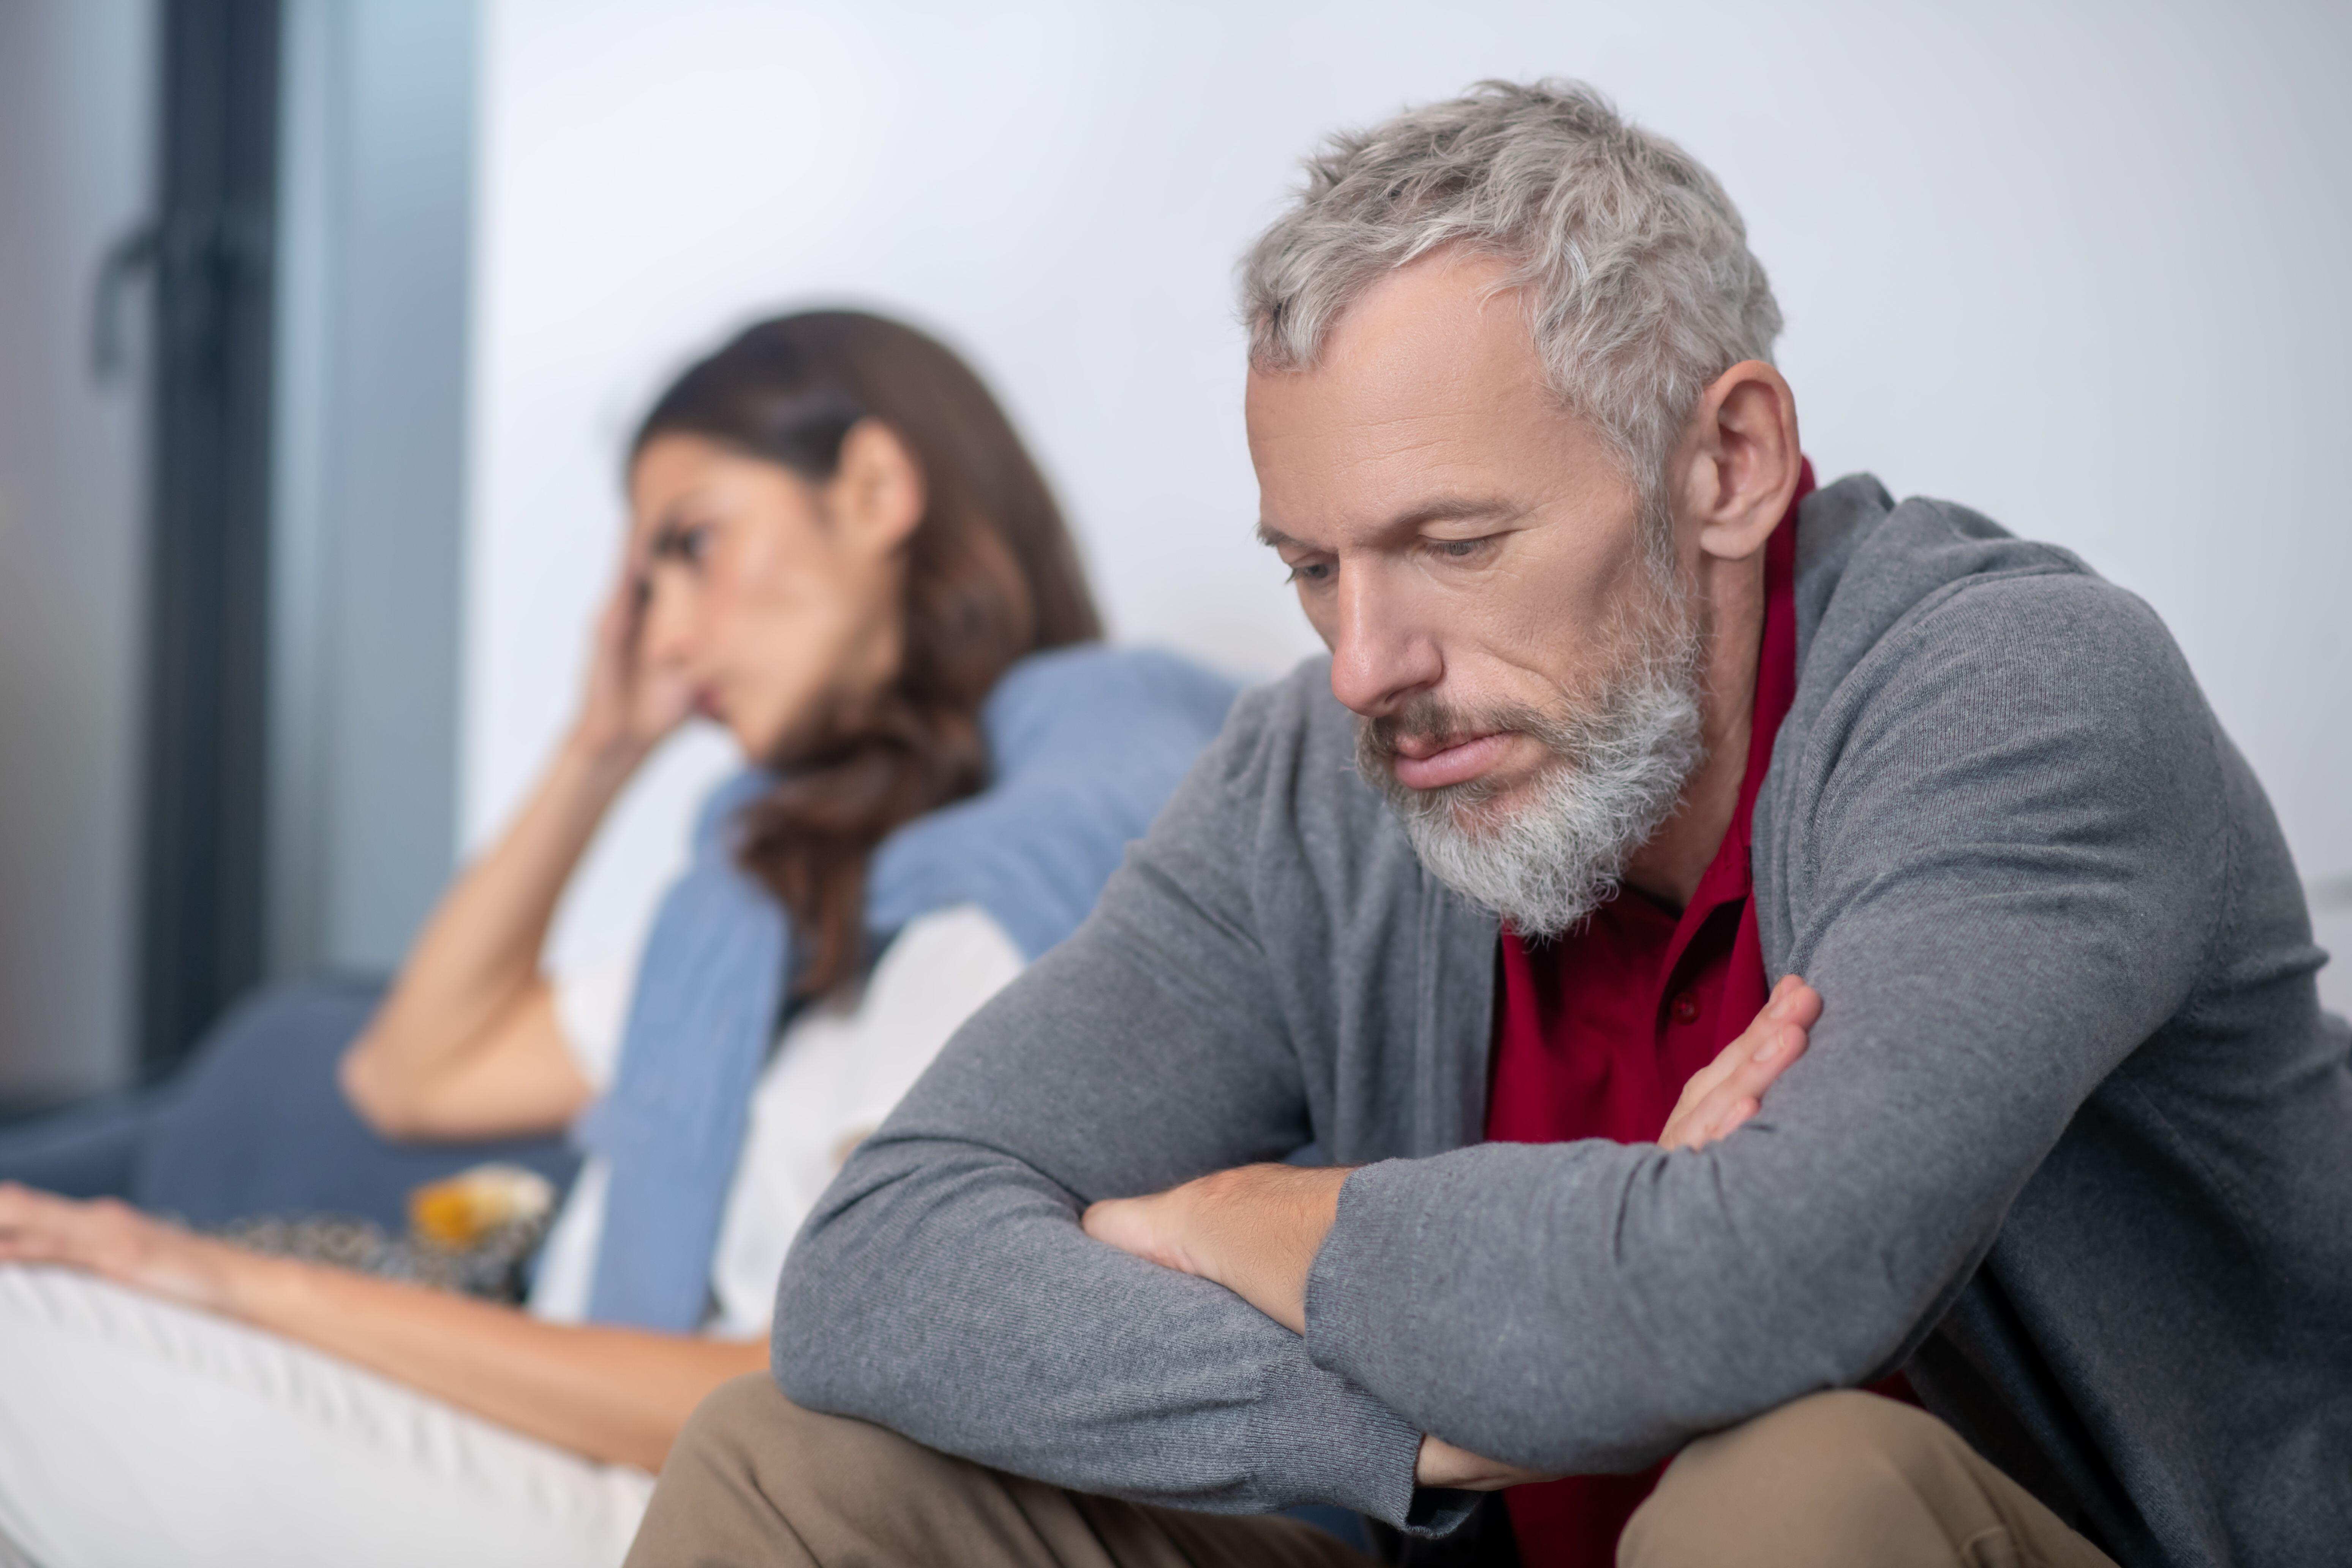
(836, 1072)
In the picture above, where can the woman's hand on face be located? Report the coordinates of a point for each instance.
(119, 1243)
(631, 703)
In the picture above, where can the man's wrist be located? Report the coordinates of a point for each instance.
(1256, 1230)
(1253, 1229)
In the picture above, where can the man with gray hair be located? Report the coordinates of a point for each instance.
(2020, 1230)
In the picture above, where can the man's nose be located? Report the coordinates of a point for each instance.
(1379, 654)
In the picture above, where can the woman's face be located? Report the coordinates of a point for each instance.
(776, 601)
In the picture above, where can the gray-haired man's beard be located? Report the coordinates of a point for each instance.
(1546, 861)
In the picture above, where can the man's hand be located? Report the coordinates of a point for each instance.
(1440, 1464)
(1256, 1229)
(1730, 1089)
(1253, 1229)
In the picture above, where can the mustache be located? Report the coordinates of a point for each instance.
(1434, 724)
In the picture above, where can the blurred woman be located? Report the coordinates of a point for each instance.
(840, 551)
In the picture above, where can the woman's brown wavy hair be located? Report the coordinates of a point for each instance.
(992, 575)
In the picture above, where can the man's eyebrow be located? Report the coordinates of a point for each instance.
(1438, 508)
(1451, 509)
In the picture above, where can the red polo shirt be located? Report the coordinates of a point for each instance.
(1596, 1033)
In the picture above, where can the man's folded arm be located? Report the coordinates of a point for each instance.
(943, 1287)
(2017, 855)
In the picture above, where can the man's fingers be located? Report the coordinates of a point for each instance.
(1132, 1225)
(1794, 1002)
(1112, 1220)
(1730, 1089)
(1769, 1048)
(1707, 1077)
(1791, 1002)
(1736, 1112)
(1440, 1464)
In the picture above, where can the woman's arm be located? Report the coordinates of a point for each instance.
(614, 1395)
(467, 1044)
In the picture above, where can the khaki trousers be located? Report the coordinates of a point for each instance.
(1833, 1480)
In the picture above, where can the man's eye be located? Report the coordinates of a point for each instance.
(1458, 549)
(1310, 571)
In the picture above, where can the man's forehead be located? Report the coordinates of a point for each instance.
(1428, 390)
(1427, 341)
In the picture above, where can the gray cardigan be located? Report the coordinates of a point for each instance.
(2073, 1144)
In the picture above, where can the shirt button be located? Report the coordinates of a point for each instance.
(1684, 1008)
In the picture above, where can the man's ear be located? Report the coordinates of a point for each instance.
(878, 494)
(1741, 459)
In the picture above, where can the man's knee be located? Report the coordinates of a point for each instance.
(754, 1478)
(1820, 1479)
(1825, 1447)
(740, 1417)
(747, 1462)
(747, 1428)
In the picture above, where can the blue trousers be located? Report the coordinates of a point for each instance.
(253, 1124)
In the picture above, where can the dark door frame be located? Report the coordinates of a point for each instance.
(203, 883)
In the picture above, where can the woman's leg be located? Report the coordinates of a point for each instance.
(133, 1431)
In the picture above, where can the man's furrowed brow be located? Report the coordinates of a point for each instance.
(1438, 508)
(1451, 509)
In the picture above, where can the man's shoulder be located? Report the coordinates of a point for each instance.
(1291, 734)
(1963, 685)
(1887, 589)
(1280, 788)
(1297, 700)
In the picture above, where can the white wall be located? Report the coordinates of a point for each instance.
(2078, 266)
(75, 77)
(374, 269)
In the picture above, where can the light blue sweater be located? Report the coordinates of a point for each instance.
(1085, 745)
